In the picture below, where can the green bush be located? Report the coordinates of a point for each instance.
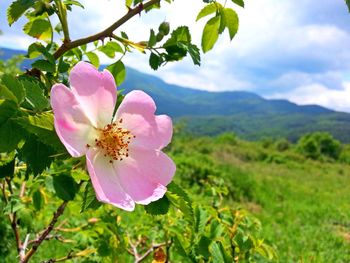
(319, 144)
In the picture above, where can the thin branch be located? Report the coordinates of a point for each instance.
(66, 46)
(13, 221)
(69, 256)
(149, 251)
(49, 237)
(45, 233)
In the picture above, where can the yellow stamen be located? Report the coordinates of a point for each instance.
(114, 141)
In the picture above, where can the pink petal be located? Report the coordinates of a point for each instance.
(144, 175)
(96, 91)
(106, 181)
(71, 124)
(137, 112)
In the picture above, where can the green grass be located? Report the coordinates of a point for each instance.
(304, 205)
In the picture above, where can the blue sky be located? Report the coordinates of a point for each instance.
(297, 50)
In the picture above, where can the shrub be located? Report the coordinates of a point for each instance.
(318, 144)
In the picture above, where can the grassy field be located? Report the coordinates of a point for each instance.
(303, 204)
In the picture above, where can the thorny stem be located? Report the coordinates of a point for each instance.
(68, 45)
(45, 233)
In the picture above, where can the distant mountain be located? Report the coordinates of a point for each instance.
(247, 114)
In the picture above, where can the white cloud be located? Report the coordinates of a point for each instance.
(320, 95)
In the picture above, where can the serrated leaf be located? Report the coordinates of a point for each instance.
(159, 207)
(65, 187)
(10, 133)
(201, 219)
(231, 21)
(93, 58)
(37, 155)
(38, 28)
(35, 98)
(209, 9)
(154, 61)
(210, 33)
(36, 49)
(14, 86)
(89, 199)
(44, 65)
(241, 2)
(218, 253)
(180, 200)
(42, 126)
(118, 71)
(180, 34)
(17, 9)
(194, 52)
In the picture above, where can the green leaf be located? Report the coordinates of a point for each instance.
(44, 65)
(14, 86)
(180, 200)
(180, 34)
(210, 34)
(194, 52)
(202, 247)
(42, 126)
(241, 3)
(73, 2)
(155, 61)
(38, 28)
(110, 49)
(37, 155)
(231, 21)
(93, 59)
(218, 253)
(38, 200)
(209, 9)
(89, 199)
(36, 49)
(10, 133)
(159, 207)
(6, 94)
(17, 9)
(118, 71)
(201, 219)
(62, 66)
(35, 98)
(65, 187)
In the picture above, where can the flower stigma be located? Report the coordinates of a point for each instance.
(114, 141)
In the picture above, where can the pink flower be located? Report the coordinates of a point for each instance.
(123, 155)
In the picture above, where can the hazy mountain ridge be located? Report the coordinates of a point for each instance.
(245, 113)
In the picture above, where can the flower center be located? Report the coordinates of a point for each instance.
(114, 141)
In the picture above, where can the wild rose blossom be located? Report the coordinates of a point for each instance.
(123, 154)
